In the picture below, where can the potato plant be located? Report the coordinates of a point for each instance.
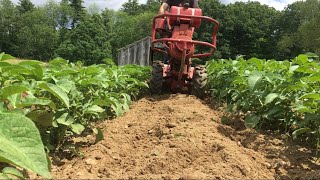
(44, 103)
(278, 95)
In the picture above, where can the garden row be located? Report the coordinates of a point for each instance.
(276, 95)
(42, 104)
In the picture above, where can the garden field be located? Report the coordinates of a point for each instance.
(66, 120)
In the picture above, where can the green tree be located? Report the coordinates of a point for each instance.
(93, 9)
(248, 29)
(131, 7)
(151, 5)
(298, 29)
(128, 29)
(8, 21)
(215, 10)
(123, 31)
(88, 42)
(25, 6)
(79, 11)
(288, 45)
(37, 37)
(61, 14)
(309, 31)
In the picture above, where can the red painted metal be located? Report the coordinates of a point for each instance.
(211, 45)
(160, 24)
(180, 46)
(172, 20)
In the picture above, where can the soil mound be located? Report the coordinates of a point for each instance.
(176, 137)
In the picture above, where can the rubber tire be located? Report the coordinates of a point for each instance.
(151, 56)
(156, 81)
(199, 81)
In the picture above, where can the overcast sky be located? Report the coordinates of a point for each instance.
(116, 4)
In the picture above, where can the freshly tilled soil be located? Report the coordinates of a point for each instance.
(181, 137)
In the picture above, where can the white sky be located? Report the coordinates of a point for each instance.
(116, 4)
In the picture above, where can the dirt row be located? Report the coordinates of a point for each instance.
(181, 137)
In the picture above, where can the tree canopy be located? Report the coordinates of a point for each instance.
(70, 30)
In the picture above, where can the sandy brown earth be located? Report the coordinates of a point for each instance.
(181, 137)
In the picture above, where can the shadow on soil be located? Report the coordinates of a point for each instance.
(290, 159)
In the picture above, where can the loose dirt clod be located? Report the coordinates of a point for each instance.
(171, 137)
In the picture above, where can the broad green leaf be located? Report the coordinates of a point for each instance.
(21, 143)
(90, 81)
(144, 84)
(14, 100)
(302, 108)
(31, 62)
(65, 84)
(94, 109)
(301, 59)
(273, 111)
(315, 96)
(253, 80)
(4, 176)
(311, 55)
(35, 101)
(4, 64)
(38, 71)
(270, 98)
(56, 91)
(117, 108)
(77, 128)
(11, 90)
(296, 87)
(103, 102)
(252, 120)
(305, 69)
(4, 56)
(92, 70)
(35, 67)
(300, 131)
(99, 135)
(58, 62)
(65, 119)
(66, 72)
(19, 70)
(314, 78)
(12, 171)
(257, 62)
(293, 68)
(3, 107)
(41, 117)
(127, 102)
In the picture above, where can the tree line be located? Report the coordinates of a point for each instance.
(69, 30)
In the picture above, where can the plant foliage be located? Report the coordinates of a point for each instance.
(279, 95)
(57, 100)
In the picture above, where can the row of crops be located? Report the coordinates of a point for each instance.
(42, 104)
(276, 95)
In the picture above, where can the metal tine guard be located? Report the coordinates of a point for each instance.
(176, 15)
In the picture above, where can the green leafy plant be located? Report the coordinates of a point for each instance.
(41, 105)
(63, 98)
(11, 173)
(4, 56)
(21, 145)
(278, 95)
